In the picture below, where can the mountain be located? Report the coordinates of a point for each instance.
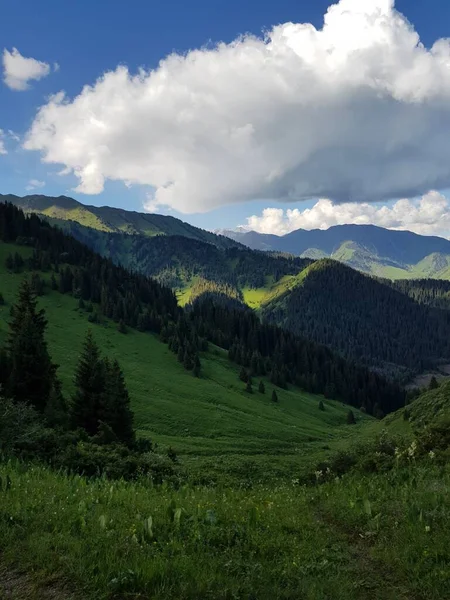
(363, 318)
(381, 252)
(113, 220)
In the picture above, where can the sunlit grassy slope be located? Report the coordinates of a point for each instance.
(211, 418)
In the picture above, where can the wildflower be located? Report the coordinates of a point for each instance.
(427, 528)
(318, 474)
(431, 454)
(412, 449)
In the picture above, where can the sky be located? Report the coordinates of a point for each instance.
(272, 116)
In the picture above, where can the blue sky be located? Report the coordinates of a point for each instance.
(86, 39)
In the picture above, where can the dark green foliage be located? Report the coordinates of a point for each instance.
(261, 388)
(37, 284)
(31, 372)
(172, 454)
(433, 385)
(321, 405)
(122, 328)
(351, 418)
(116, 411)
(274, 396)
(2, 300)
(429, 292)
(248, 387)
(291, 359)
(56, 410)
(87, 404)
(365, 319)
(243, 375)
(101, 395)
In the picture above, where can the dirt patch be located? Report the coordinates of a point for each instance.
(374, 579)
(15, 585)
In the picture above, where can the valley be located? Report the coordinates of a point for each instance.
(288, 464)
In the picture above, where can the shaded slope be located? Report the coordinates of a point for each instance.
(200, 417)
(363, 318)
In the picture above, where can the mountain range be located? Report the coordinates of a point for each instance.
(375, 250)
(318, 298)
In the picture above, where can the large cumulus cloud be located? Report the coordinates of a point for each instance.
(356, 111)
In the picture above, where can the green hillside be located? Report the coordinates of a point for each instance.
(112, 220)
(265, 499)
(383, 324)
(207, 419)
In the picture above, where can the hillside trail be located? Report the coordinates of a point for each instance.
(17, 585)
(374, 578)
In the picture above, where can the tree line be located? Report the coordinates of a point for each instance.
(134, 300)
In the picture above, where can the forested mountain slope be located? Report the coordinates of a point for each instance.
(363, 318)
(132, 300)
(108, 219)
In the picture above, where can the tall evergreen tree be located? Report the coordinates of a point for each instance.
(87, 403)
(274, 396)
(433, 383)
(31, 371)
(115, 410)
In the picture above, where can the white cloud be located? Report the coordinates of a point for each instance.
(2, 143)
(356, 111)
(430, 215)
(35, 184)
(18, 70)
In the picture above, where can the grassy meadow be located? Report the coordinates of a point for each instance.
(278, 501)
(213, 424)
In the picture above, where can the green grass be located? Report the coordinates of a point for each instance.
(377, 537)
(212, 422)
(258, 533)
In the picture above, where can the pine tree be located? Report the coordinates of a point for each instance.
(87, 402)
(31, 371)
(274, 396)
(433, 383)
(122, 328)
(261, 387)
(351, 418)
(56, 408)
(248, 387)
(115, 410)
(321, 405)
(243, 375)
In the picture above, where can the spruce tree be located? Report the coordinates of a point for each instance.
(321, 405)
(56, 408)
(31, 371)
(248, 387)
(243, 375)
(433, 383)
(274, 396)
(87, 402)
(261, 387)
(115, 409)
(351, 418)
